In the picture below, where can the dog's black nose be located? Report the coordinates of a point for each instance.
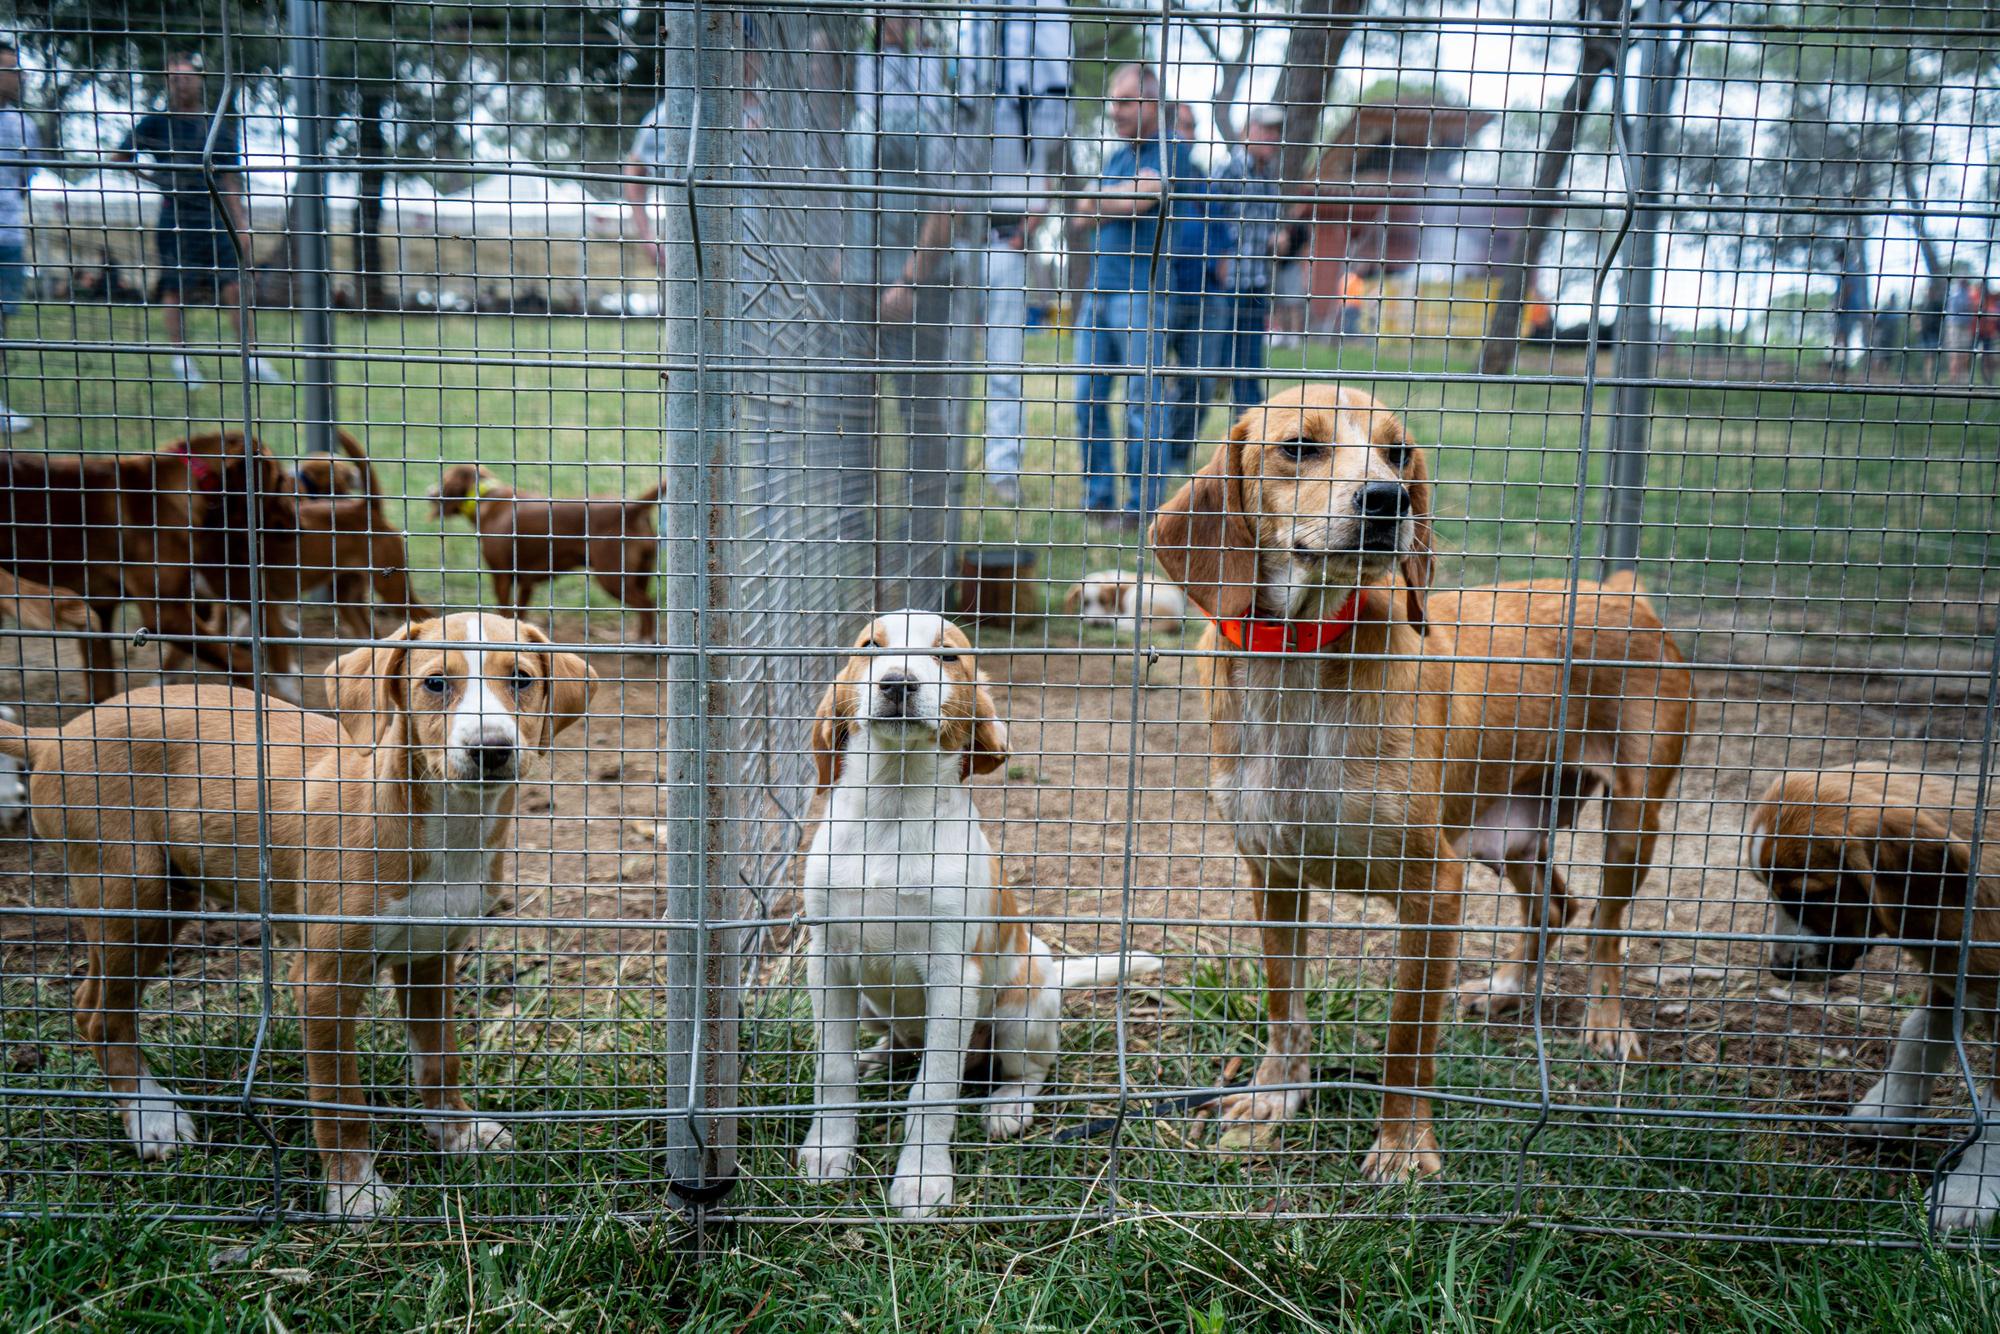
(493, 760)
(1383, 500)
(896, 688)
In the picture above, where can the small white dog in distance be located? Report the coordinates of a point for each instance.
(1114, 598)
(914, 934)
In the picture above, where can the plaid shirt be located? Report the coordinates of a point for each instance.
(1255, 234)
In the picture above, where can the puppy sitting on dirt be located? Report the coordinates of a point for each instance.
(528, 540)
(1113, 598)
(388, 823)
(915, 934)
(1863, 851)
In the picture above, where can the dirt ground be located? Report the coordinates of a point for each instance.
(587, 847)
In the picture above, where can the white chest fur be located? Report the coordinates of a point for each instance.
(900, 878)
(1319, 773)
(449, 892)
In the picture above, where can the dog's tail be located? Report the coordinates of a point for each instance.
(43, 607)
(1080, 971)
(359, 456)
(21, 743)
(651, 497)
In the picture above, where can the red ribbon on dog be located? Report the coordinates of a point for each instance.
(1292, 636)
(206, 478)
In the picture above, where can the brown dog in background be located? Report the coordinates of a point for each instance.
(118, 528)
(1371, 749)
(388, 820)
(527, 540)
(1859, 852)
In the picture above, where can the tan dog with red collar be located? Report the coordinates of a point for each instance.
(389, 822)
(1367, 746)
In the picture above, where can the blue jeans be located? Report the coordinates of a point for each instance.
(1128, 330)
(1237, 344)
(1190, 320)
(13, 275)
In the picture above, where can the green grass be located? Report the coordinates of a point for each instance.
(1755, 494)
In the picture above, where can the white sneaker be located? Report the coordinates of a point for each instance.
(12, 422)
(263, 372)
(184, 370)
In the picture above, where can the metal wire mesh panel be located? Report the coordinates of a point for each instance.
(827, 611)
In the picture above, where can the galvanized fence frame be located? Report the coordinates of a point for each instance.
(732, 829)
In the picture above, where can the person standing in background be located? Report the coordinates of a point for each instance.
(1022, 56)
(20, 149)
(1246, 273)
(1122, 329)
(198, 256)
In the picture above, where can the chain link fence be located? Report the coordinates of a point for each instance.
(344, 341)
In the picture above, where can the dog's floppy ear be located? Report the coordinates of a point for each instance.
(1073, 600)
(829, 731)
(1418, 562)
(1915, 861)
(360, 686)
(1202, 539)
(572, 682)
(986, 748)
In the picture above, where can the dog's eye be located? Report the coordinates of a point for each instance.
(947, 657)
(523, 679)
(1397, 455)
(1299, 450)
(436, 684)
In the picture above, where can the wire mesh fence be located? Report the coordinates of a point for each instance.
(1022, 722)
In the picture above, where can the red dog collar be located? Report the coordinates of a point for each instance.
(1292, 636)
(205, 476)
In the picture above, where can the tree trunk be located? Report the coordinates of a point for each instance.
(1319, 34)
(1503, 326)
(1935, 263)
(372, 150)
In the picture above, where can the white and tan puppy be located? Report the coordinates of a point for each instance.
(1863, 852)
(1114, 598)
(386, 827)
(914, 935)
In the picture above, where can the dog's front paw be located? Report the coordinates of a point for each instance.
(360, 1201)
(470, 1136)
(1606, 1032)
(1406, 1155)
(826, 1155)
(1890, 1098)
(1968, 1199)
(1250, 1119)
(155, 1123)
(923, 1185)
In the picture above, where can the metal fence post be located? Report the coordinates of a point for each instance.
(703, 82)
(312, 256)
(1637, 356)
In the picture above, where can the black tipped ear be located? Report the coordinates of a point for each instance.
(1420, 561)
(987, 748)
(829, 735)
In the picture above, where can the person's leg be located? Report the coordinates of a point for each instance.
(1094, 346)
(1149, 451)
(1187, 390)
(170, 312)
(1006, 339)
(13, 289)
(1252, 316)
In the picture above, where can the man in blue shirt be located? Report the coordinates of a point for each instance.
(197, 251)
(1200, 234)
(1243, 274)
(1122, 329)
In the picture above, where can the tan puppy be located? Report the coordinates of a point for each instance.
(392, 819)
(1368, 748)
(1864, 851)
(1113, 597)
